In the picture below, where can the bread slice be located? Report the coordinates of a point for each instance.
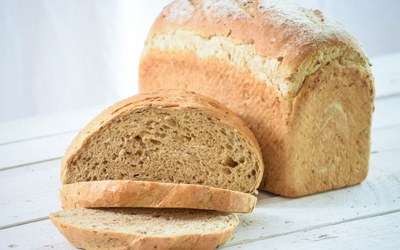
(168, 137)
(133, 228)
(127, 193)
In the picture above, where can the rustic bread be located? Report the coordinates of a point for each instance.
(168, 137)
(127, 193)
(132, 228)
(299, 80)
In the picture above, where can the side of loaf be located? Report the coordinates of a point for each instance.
(130, 228)
(127, 193)
(299, 80)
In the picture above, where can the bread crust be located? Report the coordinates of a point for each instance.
(127, 193)
(275, 120)
(298, 39)
(168, 99)
(85, 238)
(295, 49)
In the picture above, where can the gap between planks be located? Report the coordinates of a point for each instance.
(30, 163)
(75, 131)
(24, 222)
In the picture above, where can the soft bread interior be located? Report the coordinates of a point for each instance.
(172, 145)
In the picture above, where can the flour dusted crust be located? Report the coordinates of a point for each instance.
(295, 41)
(299, 80)
(126, 193)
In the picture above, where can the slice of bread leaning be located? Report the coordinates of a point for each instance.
(166, 137)
(136, 228)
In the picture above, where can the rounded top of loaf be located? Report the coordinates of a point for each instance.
(296, 41)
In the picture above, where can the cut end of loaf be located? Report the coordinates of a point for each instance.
(329, 140)
(140, 228)
(159, 140)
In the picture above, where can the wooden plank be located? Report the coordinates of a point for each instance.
(42, 126)
(387, 75)
(386, 113)
(28, 193)
(385, 139)
(53, 147)
(36, 150)
(275, 216)
(380, 232)
(38, 235)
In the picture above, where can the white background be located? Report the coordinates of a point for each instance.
(62, 55)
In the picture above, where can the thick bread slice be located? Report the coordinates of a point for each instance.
(169, 137)
(127, 193)
(145, 228)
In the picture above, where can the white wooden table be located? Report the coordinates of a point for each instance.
(366, 216)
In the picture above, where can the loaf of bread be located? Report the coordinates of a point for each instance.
(128, 193)
(165, 137)
(131, 228)
(299, 80)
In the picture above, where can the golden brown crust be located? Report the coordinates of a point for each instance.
(126, 193)
(86, 238)
(278, 30)
(276, 121)
(173, 99)
(281, 69)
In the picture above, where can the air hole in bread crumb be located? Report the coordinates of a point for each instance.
(138, 138)
(230, 162)
(171, 122)
(227, 171)
(155, 142)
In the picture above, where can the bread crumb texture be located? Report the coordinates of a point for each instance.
(168, 143)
